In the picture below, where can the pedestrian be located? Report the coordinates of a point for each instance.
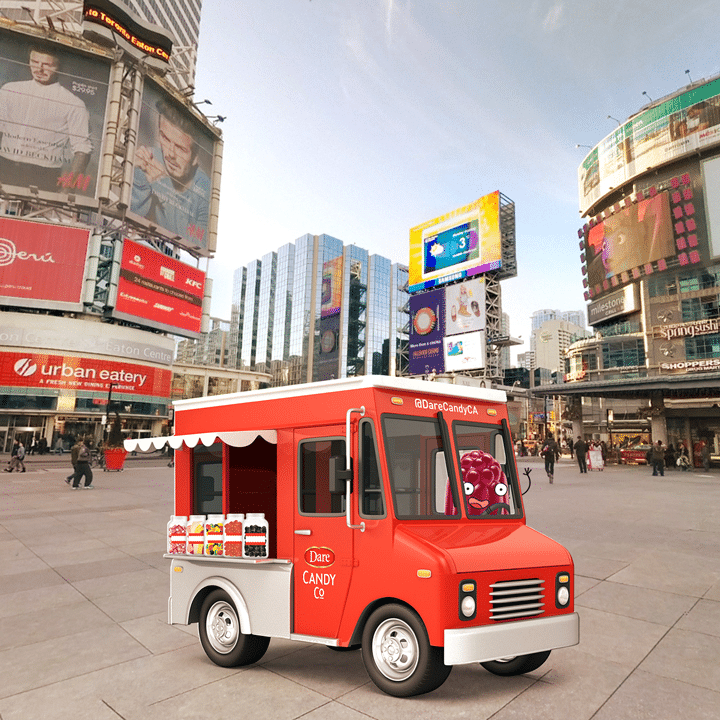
(705, 455)
(657, 457)
(684, 458)
(82, 467)
(670, 456)
(523, 449)
(571, 445)
(42, 445)
(17, 455)
(581, 449)
(74, 452)
(550, 452)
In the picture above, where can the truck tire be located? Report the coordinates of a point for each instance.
(220, 633)
(517, 665)
(397, 653)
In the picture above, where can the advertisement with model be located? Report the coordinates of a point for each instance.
(42, 265)
(52, 116)
(159, 291)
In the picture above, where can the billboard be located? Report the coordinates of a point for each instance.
(679, 126)
(42, 264)
(640, 235)
(331, 287)
(64, 372)
(465, 305)
(427, 323)
(173, 166)
(464, 352)
(159, 291)
(52, 116)
(711, 183)
(460, 244)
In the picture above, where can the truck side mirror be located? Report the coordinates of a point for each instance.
(339, 474)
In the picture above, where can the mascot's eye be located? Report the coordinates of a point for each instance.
(501, 489)
(469, 487)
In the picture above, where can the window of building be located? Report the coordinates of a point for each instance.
(661, 285)
(700, 308)
(702, 347)
(628, 353)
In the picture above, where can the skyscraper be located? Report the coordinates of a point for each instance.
(316, 309)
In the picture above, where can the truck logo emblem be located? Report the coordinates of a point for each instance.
(319, 557)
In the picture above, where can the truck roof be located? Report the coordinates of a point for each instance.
(382, 382)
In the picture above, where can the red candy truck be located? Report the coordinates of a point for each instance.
(374, 512)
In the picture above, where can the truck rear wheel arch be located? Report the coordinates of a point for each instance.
(216, 583)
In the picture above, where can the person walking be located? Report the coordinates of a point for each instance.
(82, 467)
(16, 458)
(74, 452)
(657, 457)
(550, 452)
(581, 449)
(705, 455)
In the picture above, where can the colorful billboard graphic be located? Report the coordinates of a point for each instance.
(173, 167)
(464, 352)
(159, 290)
(42, 265)
(460, 244)
(684, 124)
(52, 116)
(465, 305)
(63, 372)
(331, 287)
(427, 322)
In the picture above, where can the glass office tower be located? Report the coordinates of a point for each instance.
(317, 309)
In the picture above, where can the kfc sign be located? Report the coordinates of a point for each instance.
(63, 372)
(160, 290)
(42, 264)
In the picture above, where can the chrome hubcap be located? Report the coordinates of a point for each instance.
(222, 627)
(395, 649)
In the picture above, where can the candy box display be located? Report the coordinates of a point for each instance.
(196, 535)
(177, 535)
(233, 535)
(214, 534)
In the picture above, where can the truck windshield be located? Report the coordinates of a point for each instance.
(488, 481)
(417, 469)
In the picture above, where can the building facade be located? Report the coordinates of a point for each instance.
(650, 254)
(317, 309)
(550, 341)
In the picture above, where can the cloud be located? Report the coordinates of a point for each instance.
(552, 19)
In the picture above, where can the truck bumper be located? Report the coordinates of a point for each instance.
(490, 642)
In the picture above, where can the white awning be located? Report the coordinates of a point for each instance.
(235, 439)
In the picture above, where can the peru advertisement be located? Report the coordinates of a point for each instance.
(42, 265)
(159, 290)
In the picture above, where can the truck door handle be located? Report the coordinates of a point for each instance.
(303, 532)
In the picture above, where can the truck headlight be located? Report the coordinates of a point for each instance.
(467, 600)
(562, 589)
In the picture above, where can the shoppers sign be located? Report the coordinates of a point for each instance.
(159, 290)
(62, 372)
(42, 265)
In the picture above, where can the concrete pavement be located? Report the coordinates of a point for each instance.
(84, 586)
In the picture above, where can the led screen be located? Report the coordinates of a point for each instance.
(639, 234)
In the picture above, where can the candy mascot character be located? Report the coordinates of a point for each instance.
(484, 484)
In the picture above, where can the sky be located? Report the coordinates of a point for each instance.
(364, 118)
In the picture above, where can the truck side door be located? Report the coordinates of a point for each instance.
(323, 544)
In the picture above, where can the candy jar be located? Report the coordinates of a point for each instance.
(255, 536)
(214, 534)
(196, 534)
(233, 535)
(177, 535)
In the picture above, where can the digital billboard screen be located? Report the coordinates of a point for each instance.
(464, 352)
(465, 307)
(42, 264)
(683, 124)
(159, 290)
(631, 238)
(52, 116)
(460, 244)
(173, 166)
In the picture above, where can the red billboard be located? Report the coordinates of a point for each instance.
(42, 264)
(63, 372)
(159, 290)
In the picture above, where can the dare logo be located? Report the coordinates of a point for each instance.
(319, 557)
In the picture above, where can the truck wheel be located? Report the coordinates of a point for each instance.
(517, 665)
(220, 634)
(397, 654)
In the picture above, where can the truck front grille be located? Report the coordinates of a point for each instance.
(516, 599)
